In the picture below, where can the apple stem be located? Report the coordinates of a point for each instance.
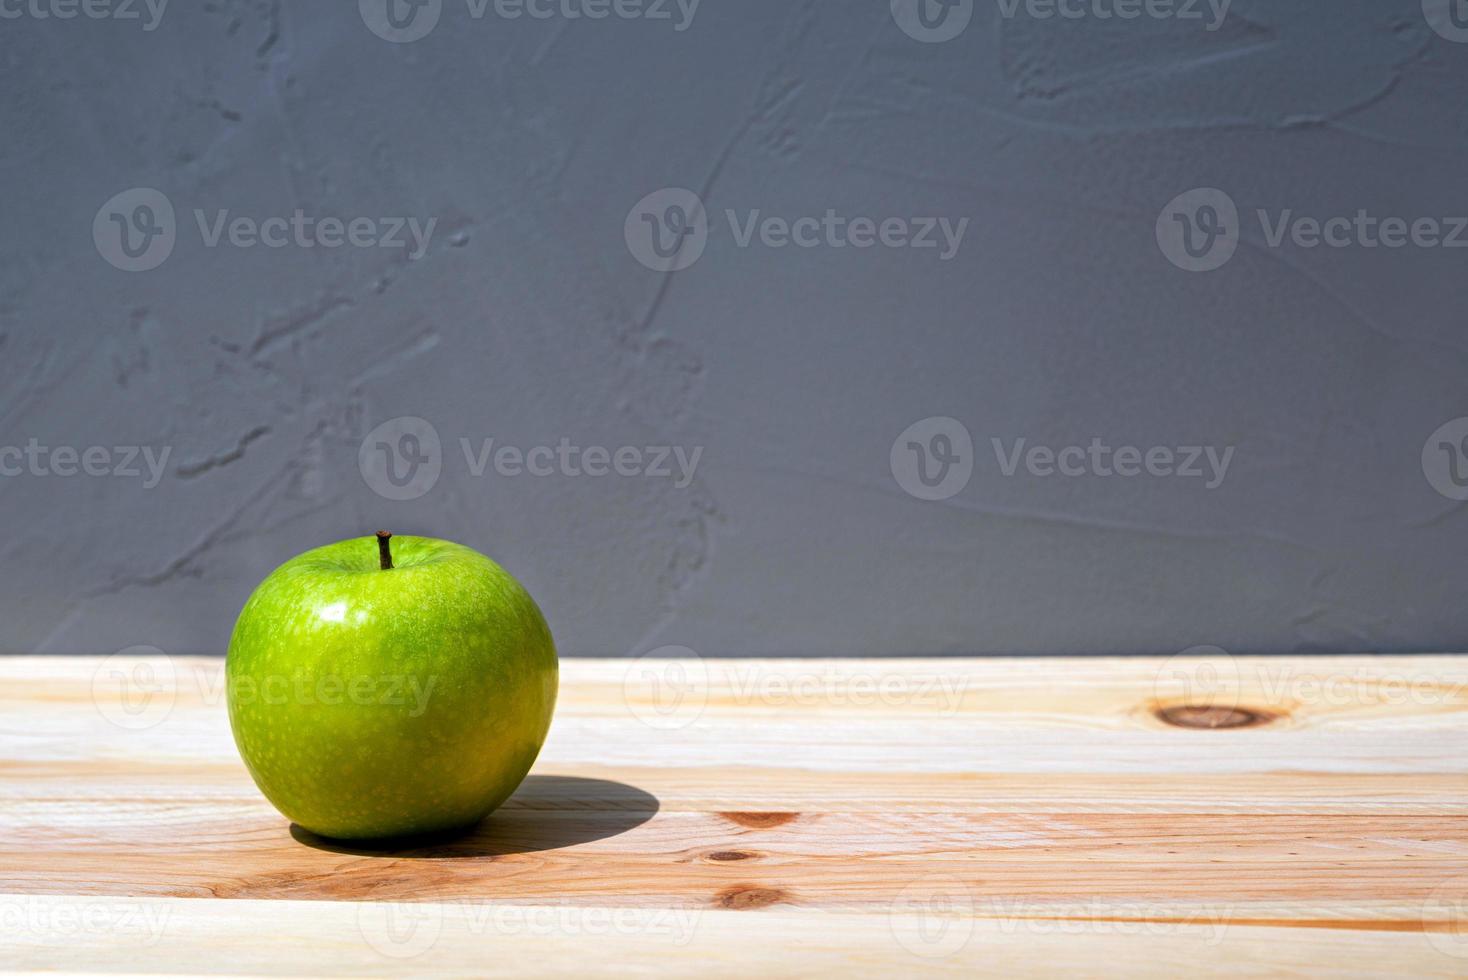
(384, 552)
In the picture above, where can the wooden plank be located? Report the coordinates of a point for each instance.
(245, 938)
(791, 816)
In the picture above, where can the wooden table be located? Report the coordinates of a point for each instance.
(1045, 817)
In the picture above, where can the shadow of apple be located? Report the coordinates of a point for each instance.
(546, 813)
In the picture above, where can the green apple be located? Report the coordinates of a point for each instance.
(381, 689)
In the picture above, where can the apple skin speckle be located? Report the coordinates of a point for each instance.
(371, 703)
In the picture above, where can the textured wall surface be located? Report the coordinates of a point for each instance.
(1058, 309)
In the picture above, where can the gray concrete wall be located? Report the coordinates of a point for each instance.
(1067, 311)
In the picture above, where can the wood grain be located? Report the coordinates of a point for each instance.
(1092, 816)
